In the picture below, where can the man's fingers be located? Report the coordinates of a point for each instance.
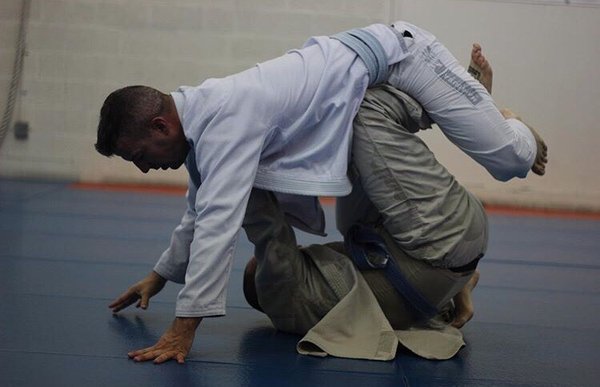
(167, 356)
(117, 307)
(142, 351)
(150, 355)
(124, 297)
(128, 297)
(144, 301)
(116, 302)
(160, 355)
(175, 355)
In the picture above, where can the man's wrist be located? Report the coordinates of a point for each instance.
(157, 277)
(187, 323)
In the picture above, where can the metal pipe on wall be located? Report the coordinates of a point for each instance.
(15, 81)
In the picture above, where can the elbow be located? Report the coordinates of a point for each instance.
(516, 168)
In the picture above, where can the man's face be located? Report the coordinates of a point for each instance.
(159, 150)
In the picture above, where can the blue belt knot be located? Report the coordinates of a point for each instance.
(369, 251)
(370, 50)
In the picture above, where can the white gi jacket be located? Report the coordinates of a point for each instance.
(284, 125)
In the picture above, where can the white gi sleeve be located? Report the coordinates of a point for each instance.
(227, 153)
(173, 262)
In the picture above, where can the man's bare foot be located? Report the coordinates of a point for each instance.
(480, 68)
(463, 302)
(541, 157)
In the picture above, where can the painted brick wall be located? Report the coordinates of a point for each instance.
(545, 60)
(81, 50)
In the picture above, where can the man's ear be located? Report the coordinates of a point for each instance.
(160, 123)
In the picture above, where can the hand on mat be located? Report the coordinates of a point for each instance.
(140, 292)
(174, 344)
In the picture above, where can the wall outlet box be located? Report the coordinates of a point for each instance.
(21, 130)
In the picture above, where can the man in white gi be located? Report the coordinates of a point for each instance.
(285, 126)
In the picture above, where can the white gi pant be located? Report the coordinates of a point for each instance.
(461, 106)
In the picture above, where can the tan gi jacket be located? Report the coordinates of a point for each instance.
(358, 328)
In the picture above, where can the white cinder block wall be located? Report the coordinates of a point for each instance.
(545, 56)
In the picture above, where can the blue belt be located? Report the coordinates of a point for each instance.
(370, 50)
(369, 251)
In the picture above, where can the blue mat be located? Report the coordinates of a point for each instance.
(66, 253)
